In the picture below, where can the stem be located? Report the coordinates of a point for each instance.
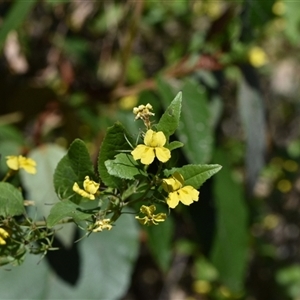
(140, 198)
(8, 174)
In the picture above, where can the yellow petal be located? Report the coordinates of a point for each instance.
(148, 210)
(12, 162)
(4, 233)
(188, 194)
(173, 183)
(173, 199)
(168, 184)
(28, 164)
(162, 154)
(143, 220)
(90, 186)
(179, 178)
(149, 137)
(82, 192)
(137, 153)
(159, 139)
(147, 156)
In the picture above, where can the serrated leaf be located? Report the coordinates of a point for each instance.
(11, 200)
(195, 175)
(169, 121)
(113, 142)
(124, 166)
(65, 209)
(175, 145)
(195, 126)
(73, 167)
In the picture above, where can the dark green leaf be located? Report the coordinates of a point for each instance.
(159, 239)
(11, 200)
(169, 121)
(124, 166)
(73, 167)
(195, 127)
(195, 175)
(229, 254)
(113, 142)
(65, 209)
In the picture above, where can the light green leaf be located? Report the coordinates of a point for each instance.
(195, 175)
(174, 145)
(124, 166)
(11, 200)
(229, 254)
(65, 209)
(113, 142)
(73, 167)
(169, 121)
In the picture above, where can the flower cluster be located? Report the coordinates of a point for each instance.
(150, 218)
(20, 162)
(101, 225)
(90, 188)
(176, 190)
(144, 113)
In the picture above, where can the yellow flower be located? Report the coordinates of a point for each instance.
(101, 225)
(90, 188)
(154, 142)
(21, 162)
(257, 57)
(177, 192)
(128, 102)
(150, 218)
(3, 235)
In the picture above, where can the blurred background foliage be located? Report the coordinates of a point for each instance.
(70, 69)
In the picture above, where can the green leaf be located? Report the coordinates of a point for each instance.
(195, 127)
(195, 175)
(174, 145)
(47, 157)
(169, 121)
(107, 261)
(15, 17)
(11, 200)
(160, 242)
(113, 142)
(65, 209)
(73, 167)
(229, 254)
(124, 166)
